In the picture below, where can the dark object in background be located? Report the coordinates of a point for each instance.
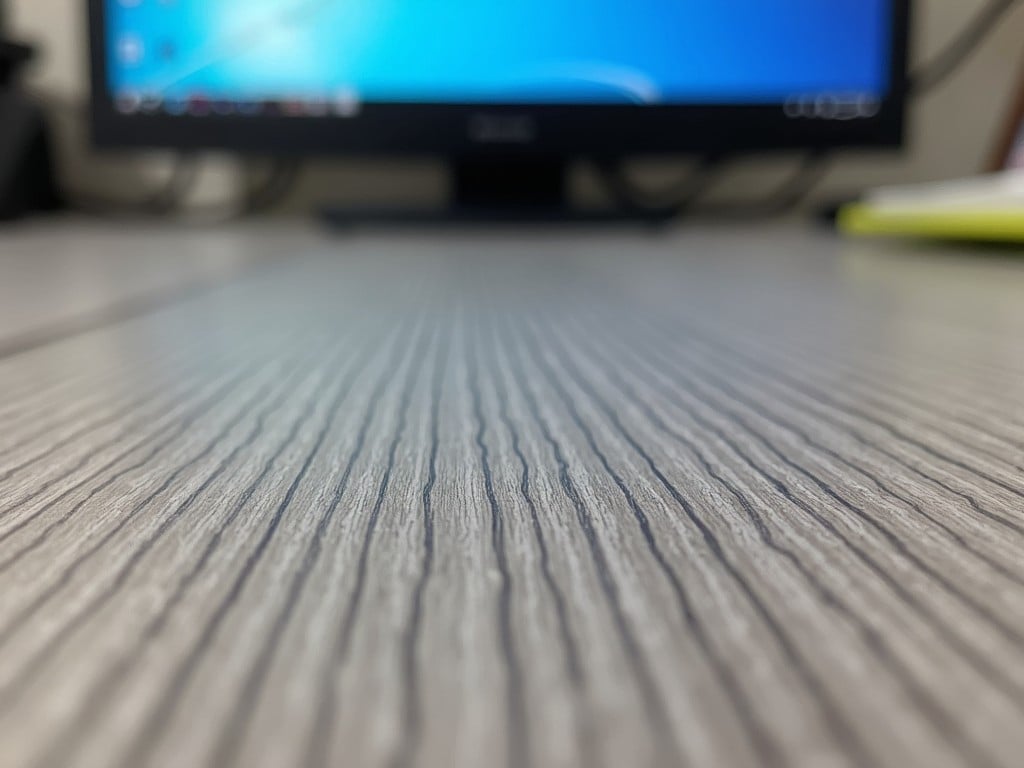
(26, 160)
(1009, 154)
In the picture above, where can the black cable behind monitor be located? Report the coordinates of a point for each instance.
(935, 72)
(788, 195)
(673, 200)
(257, 196)
(163, 200)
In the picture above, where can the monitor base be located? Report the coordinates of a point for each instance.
(455, 217)
(501, 191)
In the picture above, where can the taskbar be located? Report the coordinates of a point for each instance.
(343, 103)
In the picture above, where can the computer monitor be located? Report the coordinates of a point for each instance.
(475, 79)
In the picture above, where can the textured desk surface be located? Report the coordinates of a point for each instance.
(726, 498)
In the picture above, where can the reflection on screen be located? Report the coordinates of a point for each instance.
(319, 57)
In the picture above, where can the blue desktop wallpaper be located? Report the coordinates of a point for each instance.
(524, 51)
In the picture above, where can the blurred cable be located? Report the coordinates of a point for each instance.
(160, 202)
(164, 199)
(793, 191)
(935, 72)
(258, 196)
(169, 198)
(269, 193)
(673, 200)
(683, 198)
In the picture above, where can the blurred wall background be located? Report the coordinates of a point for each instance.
(952, 129)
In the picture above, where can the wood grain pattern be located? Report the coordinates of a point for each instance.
(724, 498)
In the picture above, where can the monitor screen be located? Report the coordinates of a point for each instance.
(464, 77)
(331, 57)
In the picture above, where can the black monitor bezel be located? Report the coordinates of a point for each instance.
(556, 130)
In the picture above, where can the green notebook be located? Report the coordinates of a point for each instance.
(987, 208)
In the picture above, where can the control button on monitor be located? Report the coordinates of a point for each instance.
(346, 103)
(128, 103)
(151, 103)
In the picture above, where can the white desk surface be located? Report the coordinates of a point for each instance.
(729, 497)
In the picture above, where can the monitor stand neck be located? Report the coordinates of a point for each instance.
(499, 191)
(510, 188)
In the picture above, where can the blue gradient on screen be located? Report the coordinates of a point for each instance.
(574, 51)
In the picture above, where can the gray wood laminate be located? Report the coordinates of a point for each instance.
(729, 497)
